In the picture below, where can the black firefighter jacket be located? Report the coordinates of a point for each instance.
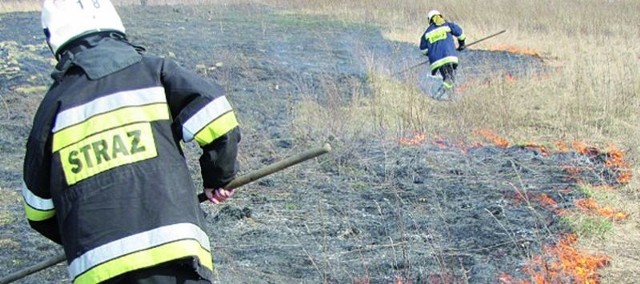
(104, 171)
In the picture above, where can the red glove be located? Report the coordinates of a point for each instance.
(218, 195)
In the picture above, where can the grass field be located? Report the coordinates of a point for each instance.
(592, 97)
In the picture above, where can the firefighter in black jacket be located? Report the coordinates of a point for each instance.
(104, 172)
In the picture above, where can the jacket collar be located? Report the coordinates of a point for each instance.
(98, 55)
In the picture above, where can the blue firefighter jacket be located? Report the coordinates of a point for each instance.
(437, 43)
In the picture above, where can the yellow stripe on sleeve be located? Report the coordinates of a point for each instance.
(216, 128)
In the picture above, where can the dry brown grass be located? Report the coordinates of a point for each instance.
(18, 6)
(593, 96)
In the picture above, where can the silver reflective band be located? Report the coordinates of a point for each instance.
(137, 242)
(36, 202)
(206, 115)
(108, 103)
(448, 59)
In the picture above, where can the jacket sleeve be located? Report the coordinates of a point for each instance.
(424, 47)
(203, 114)
(36, 193)
(457, 31)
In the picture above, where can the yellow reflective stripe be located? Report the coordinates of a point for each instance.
(36, 207)
(107, 150)
(38, 215)
(146, 258)
(462, 37)
(443, 61)
(216, 128)
(98, 123)
(204, 116)
(142, 241)
(437, 34)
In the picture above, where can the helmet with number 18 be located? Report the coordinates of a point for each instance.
(66, 20)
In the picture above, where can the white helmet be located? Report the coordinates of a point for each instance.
(433, 13)
(65, 20)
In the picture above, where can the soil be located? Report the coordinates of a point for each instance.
(371, 211)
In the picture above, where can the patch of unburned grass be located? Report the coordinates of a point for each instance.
(9, 6)
(6, 217)
(31, 90)
(8, 244)
(586, 226)
(9, 196)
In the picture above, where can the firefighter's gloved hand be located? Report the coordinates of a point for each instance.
(218, 195)
(461, 45)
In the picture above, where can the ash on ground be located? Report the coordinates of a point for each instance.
(370, 211)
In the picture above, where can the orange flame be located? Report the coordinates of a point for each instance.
(493, 137)
(476, 145)
(441, 143)
(510, 78)
(585, 149)
(540, 148)
(515, 49)
(573, 173)
(542, 198)
(546, 200)
(565, 264)
(562, 147)
(616, 161)
(589, 205)
(417, 139)
(614, 156)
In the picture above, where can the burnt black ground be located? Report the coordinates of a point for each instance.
(372, 211)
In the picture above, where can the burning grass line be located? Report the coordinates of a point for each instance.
(590, 206)
(561, 263)
(516, 50)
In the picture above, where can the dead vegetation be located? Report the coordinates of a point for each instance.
(591, 97)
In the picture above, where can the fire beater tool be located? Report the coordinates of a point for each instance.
(467, 45)
(235, 183)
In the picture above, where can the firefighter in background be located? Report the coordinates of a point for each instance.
(437, 42)
(104, 172)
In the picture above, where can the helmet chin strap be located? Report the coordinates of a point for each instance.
(47, 34)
